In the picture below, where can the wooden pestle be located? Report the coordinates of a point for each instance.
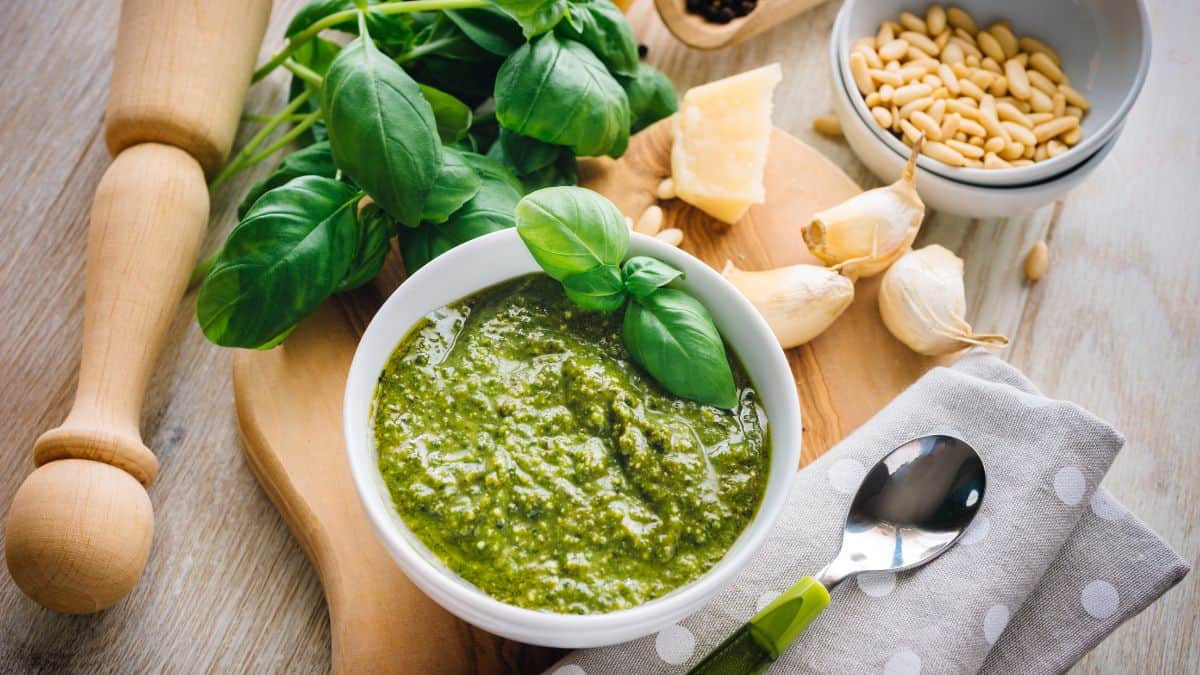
(80, 526)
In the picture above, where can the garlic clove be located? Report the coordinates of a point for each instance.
(922, 301)
(865, 234)
(798, 301)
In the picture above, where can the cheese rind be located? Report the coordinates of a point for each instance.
(721, 136)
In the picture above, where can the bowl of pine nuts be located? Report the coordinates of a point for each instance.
(1006, 94)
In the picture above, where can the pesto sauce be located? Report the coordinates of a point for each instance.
(525, 449)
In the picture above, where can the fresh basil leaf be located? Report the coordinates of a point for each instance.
(672, 335)
(489, 27)
(386, 29)
(382, 130)
(571, 230)
(490, 210)
(643, 275)
(282, 260)
(316, 55)
(599, 288)
(419, 245)
(602, 26)
(452, 115)
(490, 169)
(525, 154)
(314, 160)
(558, 92)
(651, 97)
(535, 16)
(375, 230)
(471, 83)
(562, 172)
(450, 42)
(456, 183)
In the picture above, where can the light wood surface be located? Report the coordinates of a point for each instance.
(180, 74)
(695, 31)
(227, 589)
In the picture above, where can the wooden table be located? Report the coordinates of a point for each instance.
(1114, 326)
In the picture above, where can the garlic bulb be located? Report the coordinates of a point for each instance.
(923, 302)
(799, 301)
(866, 233)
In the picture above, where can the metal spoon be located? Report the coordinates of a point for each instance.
(912, 506)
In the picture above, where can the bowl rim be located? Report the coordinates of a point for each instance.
(471, 603)
(996, 178)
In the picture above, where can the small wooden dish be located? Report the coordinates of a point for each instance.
(695, 31)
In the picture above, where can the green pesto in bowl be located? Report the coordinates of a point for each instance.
(526, 450)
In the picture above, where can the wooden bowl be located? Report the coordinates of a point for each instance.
(695, 31)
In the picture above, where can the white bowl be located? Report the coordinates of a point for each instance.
(490, 260)
(1105, 49)
(951, 196)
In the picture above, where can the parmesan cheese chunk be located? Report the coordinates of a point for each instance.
(721, 136)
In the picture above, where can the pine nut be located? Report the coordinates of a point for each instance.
(884, 77)
(1039, 117)
(920, 41)
(960, 19)
(1018, 82)
(1008, 41)
(911, 132)
(884, 35)
(935, 19)
(1055, 148)
(927, 124)
(972, 163)
(1040, 155)
(919, 104)
(971, 89)
(991, 65)
(933, 82)
(965, 149)
(666, 189)
(972, 128)
(972, 61)
(942, 38)
(960, 136)
(868, 51)
(1075, 112)
(941, 92)
(950, 125)
(994, 144)
(858, 70)
(992, 161)
(1035, 46)
(1044, 65)
(1060, 104)
(650, 222)
(982, 78)
(1012, 151)
(975, 141)
(1074, 97)
(990, 46)
(885, 94)
(909, 74)
(1037, 261)
(949, 78)
(1040, 101)
(874, 98)
(957, 106)
(938, 111)
(671, 237)
(1019, 133)
(999, 86)
(827, 125)
(892, 66)
(913, 22)
(910, 92)
(1040, 81)
(968, 48)
(1008, 112)
(1022, 162)
(893, 50)
(1072, 137)
(943, 153)
(952, 53)
(1028, 153)
(1059, 125)
(882, 116)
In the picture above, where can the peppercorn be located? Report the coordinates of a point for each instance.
(721, 11)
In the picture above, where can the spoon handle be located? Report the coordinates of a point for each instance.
(756, 645)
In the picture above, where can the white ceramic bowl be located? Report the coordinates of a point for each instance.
(1105, 49)
(951, 196)
(490, 260)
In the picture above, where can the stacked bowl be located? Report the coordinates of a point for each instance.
(1105, 50)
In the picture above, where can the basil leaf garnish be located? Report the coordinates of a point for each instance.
(643, 275)
(599, 288)
(571, 230)
(672, 335)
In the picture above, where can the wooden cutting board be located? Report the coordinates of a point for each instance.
(289, 403)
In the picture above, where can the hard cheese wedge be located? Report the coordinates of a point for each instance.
(721, 135)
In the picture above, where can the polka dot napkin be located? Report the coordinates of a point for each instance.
(1051, 565)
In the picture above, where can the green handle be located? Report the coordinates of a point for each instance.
(756, 645)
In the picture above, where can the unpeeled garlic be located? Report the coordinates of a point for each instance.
(923, 302)
(798, 301)
(866, 233)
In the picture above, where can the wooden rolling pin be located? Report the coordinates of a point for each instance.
(80, 526)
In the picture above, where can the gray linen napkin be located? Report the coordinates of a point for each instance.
(1051, 565)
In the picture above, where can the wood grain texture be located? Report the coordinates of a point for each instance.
(694, 30)
(227, 589)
